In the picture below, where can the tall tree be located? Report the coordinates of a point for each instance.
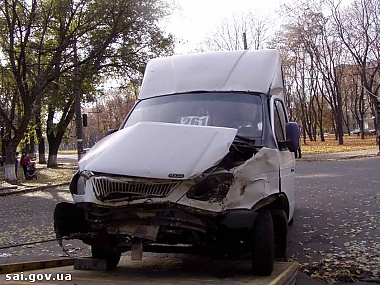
(118, 39)
(38, 39)
(108, 113)
(358, 27)
(228, 35)
(314, 34)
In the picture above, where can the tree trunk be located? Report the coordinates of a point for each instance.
(339, 119)
(10, 146)
(41, 141)
(334, 128)
(362, 128)
(321, 132)
(10, 163)
(304, 135)
(55, 132)
(10, 173)
(41, 154)
(52, 160)
(53, 152)
(339, 129)
(32, 147)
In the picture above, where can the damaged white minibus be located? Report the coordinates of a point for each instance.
(203, 163)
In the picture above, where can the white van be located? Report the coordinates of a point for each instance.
(204, 162)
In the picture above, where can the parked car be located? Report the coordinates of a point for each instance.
(366, 132)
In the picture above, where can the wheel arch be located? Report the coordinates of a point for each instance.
(273, 202)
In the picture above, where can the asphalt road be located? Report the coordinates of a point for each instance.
(28, 217)
(335, 235)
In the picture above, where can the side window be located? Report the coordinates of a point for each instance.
(279, 120)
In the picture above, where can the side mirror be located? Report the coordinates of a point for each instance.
(292, 136)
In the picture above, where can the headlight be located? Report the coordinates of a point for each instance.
(81, 185)
(78, 183)
(213, 188)
(82, 180)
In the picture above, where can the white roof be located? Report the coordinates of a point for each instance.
(252, 70)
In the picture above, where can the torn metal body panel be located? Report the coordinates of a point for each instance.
(255, 179)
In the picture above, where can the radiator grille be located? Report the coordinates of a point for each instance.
(107, 188)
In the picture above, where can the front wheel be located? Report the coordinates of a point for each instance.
(111, 256)
(262, 252)
(280, 227)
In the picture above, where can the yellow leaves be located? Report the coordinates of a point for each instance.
(330, 145)
(62, 173)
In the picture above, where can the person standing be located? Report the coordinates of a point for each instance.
(24, 160)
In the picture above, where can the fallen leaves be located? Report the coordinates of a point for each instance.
(357, 262)
(45, 176)
(351, 245)
(336, 237)
(62, 173)
(330, 145)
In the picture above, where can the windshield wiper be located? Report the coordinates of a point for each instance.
(249, 141)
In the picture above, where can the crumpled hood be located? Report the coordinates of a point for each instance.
(159, 150)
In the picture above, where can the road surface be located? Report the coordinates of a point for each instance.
(335, 235)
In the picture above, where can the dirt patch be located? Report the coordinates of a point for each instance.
(45, 176)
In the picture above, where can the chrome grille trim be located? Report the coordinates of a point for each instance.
(130, 188)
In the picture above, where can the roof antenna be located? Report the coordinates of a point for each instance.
(245, 41)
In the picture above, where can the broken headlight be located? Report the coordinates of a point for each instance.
(78, 183)
(213, 188)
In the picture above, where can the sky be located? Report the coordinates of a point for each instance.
(195, 19)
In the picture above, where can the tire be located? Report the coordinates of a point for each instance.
(291, 222)
(262, 252)
(69, 219)
(111, 256)
(280, 227)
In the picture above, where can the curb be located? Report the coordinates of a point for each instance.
(12, 187)
(287, 277)
(337, 156)
(334, 158)
(14, 190)
(34, 265)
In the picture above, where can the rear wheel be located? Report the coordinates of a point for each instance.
(262, 253)
(111, 256)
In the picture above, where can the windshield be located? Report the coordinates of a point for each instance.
(233, 110)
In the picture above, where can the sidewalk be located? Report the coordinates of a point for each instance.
(340, 155)
(46, 178)
(8, 189)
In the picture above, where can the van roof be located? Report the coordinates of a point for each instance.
(248, 70)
